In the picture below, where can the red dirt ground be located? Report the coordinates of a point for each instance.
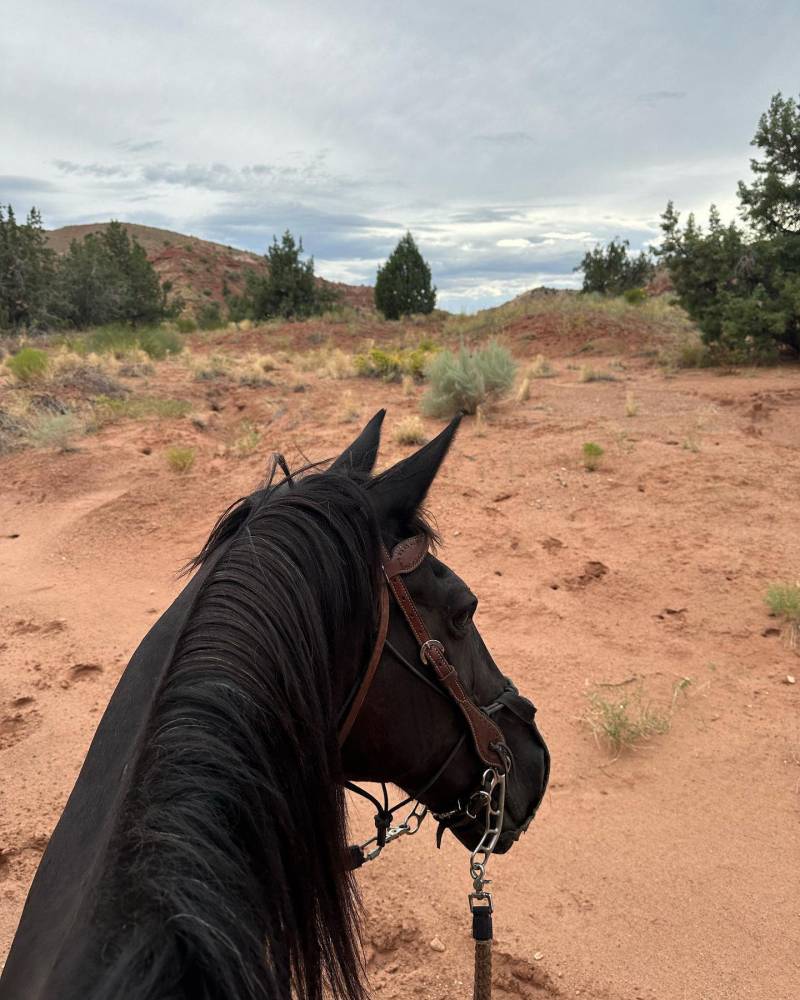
(670, 873)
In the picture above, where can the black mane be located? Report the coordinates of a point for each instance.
(225, 877)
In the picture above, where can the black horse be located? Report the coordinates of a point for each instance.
(201, 853)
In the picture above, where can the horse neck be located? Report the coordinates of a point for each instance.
(225, 877)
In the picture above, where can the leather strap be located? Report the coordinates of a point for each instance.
(372, 666)
(406, 556)
(486, 736)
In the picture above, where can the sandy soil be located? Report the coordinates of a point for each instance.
(669, 873)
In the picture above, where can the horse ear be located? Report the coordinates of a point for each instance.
(361, 455)
(398, 492)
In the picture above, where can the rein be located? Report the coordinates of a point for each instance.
(486, 736)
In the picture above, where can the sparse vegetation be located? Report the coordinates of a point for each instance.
(209, 316)
(54, 430)
(180, 458)
(783, 601)
(391, 365)
(349, 410)
(540, 367)
(28, 364)
(592, 456)
(588, 374)
(327, 362)
(625, 722)
(524, 390)
(213, 367)
(631, 406)
(247, 439)
(410, 430)
(465, 380)
(107, 410)
(119, 340)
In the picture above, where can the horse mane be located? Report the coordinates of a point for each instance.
(225, 877)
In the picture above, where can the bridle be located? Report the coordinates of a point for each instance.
(487, 738)
(488, 799)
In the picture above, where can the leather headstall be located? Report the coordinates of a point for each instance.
(405, 557)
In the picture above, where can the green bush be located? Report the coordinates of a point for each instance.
(157, 341)
(783, 601)
(592, 455)
(55, 430)
(391, 365)
(634, 296)
(27, 364)
(209, 316)
(185, 324)
(466, 379)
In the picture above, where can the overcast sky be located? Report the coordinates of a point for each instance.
(508, 137)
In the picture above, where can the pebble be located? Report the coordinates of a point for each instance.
(791, 679)
(436, 945)
(538, 956)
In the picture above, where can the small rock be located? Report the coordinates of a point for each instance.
(436, 945)
(790, 679)
(147, 450)
(538, 956)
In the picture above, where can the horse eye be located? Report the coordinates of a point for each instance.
(463, 618)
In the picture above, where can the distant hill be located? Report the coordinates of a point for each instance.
(199, 269)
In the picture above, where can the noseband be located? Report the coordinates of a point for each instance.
(486, 736)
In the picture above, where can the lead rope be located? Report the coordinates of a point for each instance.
(493, 794)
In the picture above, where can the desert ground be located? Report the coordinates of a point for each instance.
(668, 871)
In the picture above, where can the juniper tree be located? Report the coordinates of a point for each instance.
(288, 288)
(403, 284)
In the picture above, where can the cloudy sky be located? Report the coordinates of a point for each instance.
(508, 137)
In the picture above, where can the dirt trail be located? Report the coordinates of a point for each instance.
(667, 874)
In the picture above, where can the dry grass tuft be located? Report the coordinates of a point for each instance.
(588, 374)
(592, 456)
(631, 406)
(783, 601)
(626, 722)
(180, 458)
(540, 367)
(246, 440)
(349, 410)
(410, 430)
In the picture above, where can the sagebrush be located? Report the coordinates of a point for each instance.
(464, 380)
